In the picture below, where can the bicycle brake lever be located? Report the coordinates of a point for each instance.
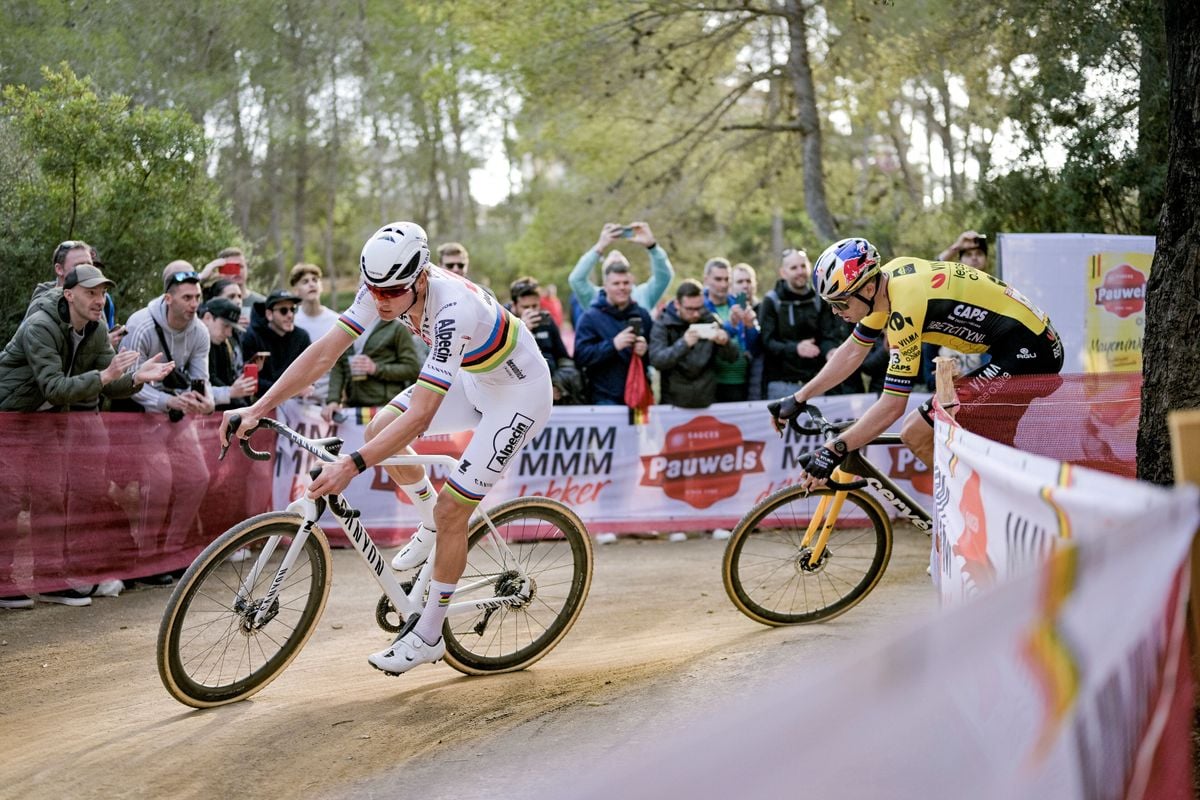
(235, 422)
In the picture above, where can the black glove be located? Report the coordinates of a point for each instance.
(784, 409)
(824, 461)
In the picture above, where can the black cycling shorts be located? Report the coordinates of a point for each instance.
(1024, 353)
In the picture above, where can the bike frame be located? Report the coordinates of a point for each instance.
(348, 517)
(830, 505)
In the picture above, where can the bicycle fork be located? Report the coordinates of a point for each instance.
(825, 517)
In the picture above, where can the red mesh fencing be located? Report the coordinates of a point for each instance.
(1088, 420)
(99, 496)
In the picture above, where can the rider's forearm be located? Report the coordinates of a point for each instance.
(314, 362)
(846, 360)
(404, 431)
(879, 417)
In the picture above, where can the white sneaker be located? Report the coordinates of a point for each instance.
(65, 597)
(720, 534)
(678, 536)
(417, 550)
(110, 588)
(408, 651)
(16, 602)
(606, 538)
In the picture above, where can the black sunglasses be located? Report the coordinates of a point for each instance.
(285, 310)
(454, 265)
(181, 277)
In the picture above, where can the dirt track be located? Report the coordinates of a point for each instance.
(83, 713)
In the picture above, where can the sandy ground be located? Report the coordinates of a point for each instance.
(83, 714)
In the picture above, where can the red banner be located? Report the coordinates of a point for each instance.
(90, 497)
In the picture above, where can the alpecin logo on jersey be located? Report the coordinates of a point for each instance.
(702, 462)
(508, 440)
(442, 337)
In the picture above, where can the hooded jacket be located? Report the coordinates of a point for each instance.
(788, 318)
(605, 366)
(689, 379)
(189, 349)
(283, 349)
(42, 365)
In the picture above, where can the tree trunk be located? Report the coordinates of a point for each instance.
(800, 72)
(1170, 355)
(1153, 89)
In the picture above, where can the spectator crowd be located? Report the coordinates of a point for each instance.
(209, 343)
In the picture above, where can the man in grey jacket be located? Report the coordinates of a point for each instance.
(169, 324)
(685, 345)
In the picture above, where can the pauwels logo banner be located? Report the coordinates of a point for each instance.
(1116, 311)
(702, 461)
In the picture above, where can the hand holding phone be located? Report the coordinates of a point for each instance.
(627, 232)
(636, 324)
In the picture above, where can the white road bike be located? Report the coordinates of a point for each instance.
(252, 598)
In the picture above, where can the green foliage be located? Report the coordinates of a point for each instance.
(128, 180)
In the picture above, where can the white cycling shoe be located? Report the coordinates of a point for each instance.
(417, 551)
(408, 651)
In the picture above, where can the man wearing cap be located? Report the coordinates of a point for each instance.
(60, 359)
(273, 330)
(230, 388)
(169, 325)
(67, 256)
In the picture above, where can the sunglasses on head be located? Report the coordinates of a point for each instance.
(180, 277)
(388, 293)
(61, 251)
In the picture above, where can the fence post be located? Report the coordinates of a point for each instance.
(944, 375)
(1185, 457)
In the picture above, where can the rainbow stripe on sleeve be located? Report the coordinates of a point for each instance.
(350, 326)
(433, 383)
(499, 345)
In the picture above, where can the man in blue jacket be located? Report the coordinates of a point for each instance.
(608, 335)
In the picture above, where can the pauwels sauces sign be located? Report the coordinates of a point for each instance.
(1116, 311)
(702, 462)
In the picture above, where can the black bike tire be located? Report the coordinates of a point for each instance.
(459, 651)
(172, 664)
(736, 574)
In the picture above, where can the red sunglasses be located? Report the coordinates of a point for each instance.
(390, 293)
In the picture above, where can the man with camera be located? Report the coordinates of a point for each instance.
(685, 346)
(646, 294)
(608, 335)
(527, 307)
(168, 325)
(172, 478)
(740, 322)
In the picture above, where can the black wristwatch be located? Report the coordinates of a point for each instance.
(839, 447)
(359, 463)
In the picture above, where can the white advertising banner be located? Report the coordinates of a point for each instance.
(1066, 676)
(682, 470)
(1092, 286)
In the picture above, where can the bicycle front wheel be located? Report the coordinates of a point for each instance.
(772, 578)
(212, 649)
(544, 567)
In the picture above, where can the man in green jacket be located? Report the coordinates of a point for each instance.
(60, 358)
(381, 364)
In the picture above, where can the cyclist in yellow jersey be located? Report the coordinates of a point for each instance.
(913, 301)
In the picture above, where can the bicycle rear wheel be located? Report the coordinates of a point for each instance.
(772, 579)
(210, 651)
(549, 571)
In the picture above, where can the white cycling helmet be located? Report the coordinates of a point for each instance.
(395, 256)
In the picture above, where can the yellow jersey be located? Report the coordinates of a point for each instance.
(944, 303)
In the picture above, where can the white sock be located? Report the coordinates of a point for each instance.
(424, 498)
(429, 626)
